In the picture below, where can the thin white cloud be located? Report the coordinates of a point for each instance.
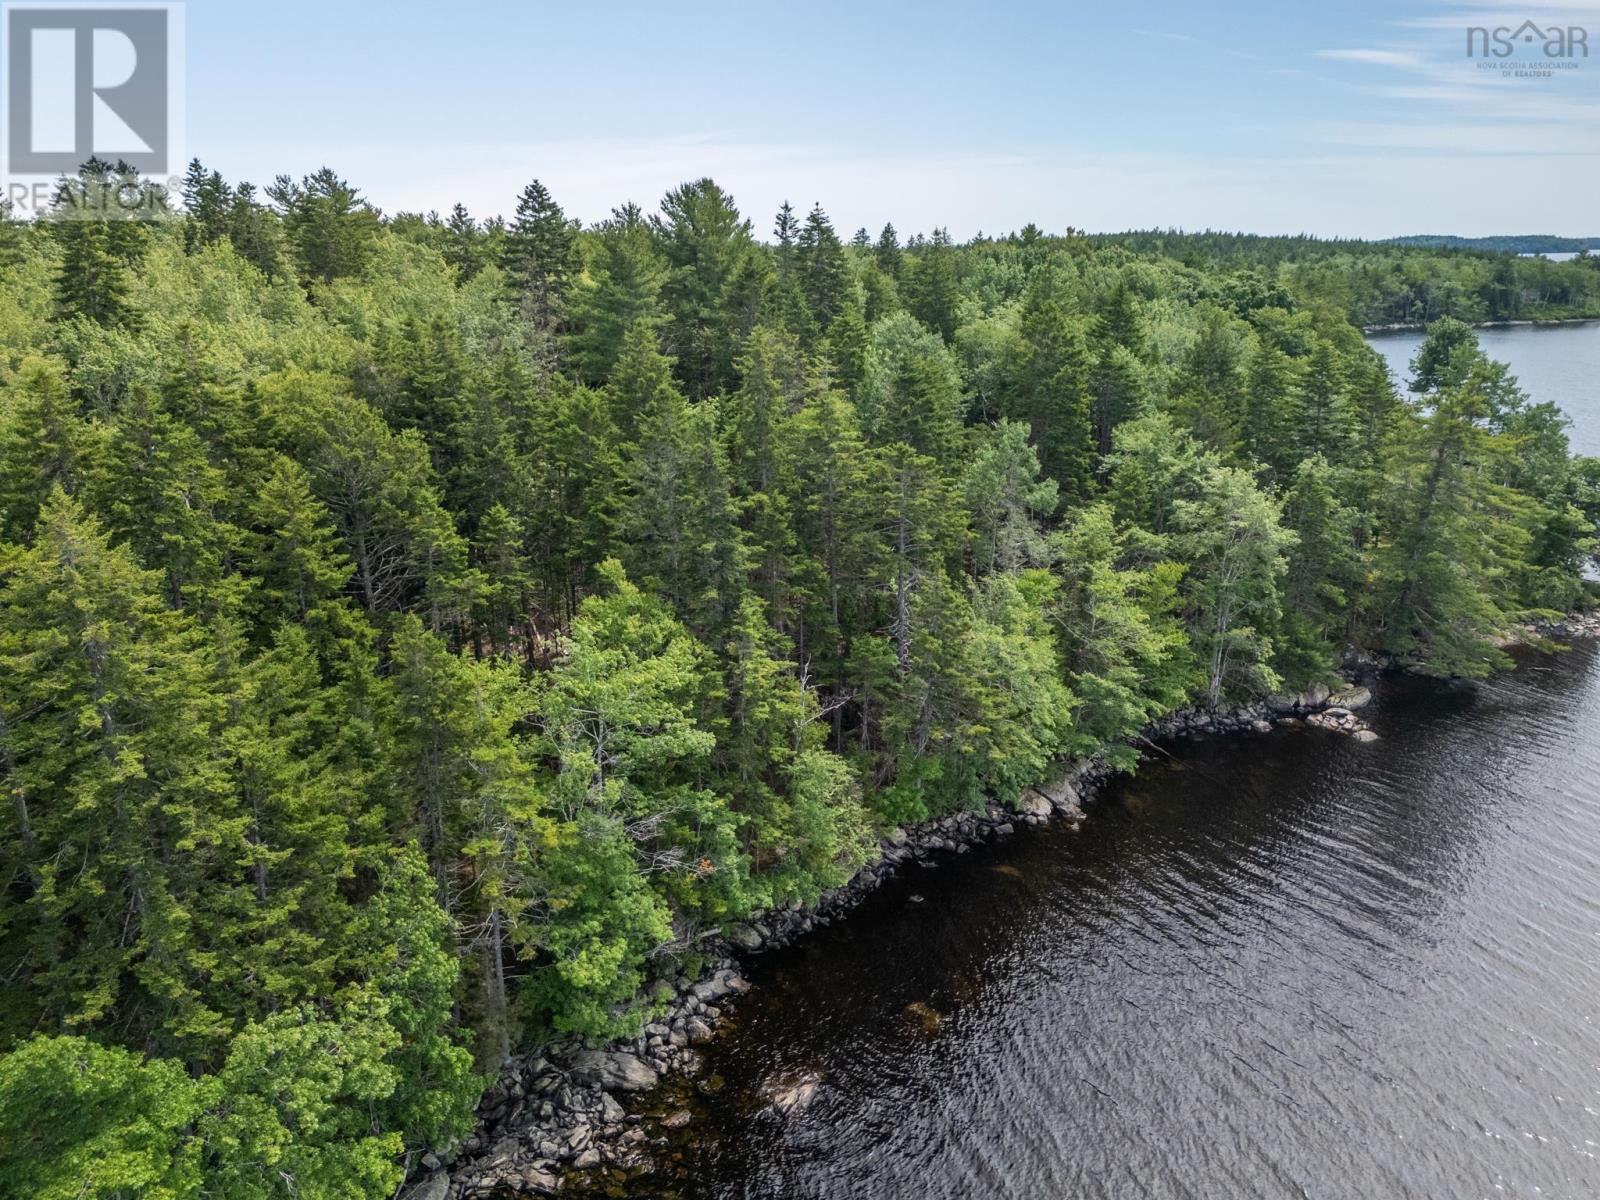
(1399, 59)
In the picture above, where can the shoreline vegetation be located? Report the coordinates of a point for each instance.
(521, 1146)
(426, 642)
(575, 1108)
(1421, 327)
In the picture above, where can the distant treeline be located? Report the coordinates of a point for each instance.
(1524, 243)
(1385, 283)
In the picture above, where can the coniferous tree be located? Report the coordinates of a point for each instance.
(1050, 394)
(713, 275)
(932, 292)
(540, 255)
(330, 227)
(626, 275)
(887, 252)
(824, 275)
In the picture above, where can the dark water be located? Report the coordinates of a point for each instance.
(1556, 364)
(1286, 966)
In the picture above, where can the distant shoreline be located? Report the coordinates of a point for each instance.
(1422, 326)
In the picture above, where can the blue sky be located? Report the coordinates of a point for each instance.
(1358, 118)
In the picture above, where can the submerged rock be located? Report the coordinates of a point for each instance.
(790, 1091)
(925, 1015)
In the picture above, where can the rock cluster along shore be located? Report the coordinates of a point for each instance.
(563, 1108)
(1575, 625)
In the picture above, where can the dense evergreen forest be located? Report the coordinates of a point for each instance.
(416, 634)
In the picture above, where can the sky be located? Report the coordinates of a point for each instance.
(1354, 118)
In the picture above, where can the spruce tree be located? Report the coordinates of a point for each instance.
(540, 255)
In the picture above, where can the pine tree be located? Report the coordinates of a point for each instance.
(677, 529)
(1274, 420)
(824, 274)
(92, 283)
(798, 804)
(464, 784)
(1117, 344)
(714, 278)
(117, 783)
(209, 201)
(1448, 530)
(331, 228)
(463, 248)
(620, 718)
(255, 232)
(540, 255)
(161, 494)
(293, 551)
(1050, 394)
(43, 444)
(1126, 654)
(1208, 393)
(1324, 572)
(887, 252)
(932, 293)
(626, 274)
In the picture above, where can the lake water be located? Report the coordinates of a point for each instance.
(1279, 966)
(1555, 363)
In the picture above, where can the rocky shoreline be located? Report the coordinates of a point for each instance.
(1573, 625)
(1421, 327)
(560, 1110)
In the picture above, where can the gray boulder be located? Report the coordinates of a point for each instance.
(434, 1187)
(614, 1070)
(1314, 696)
(1352, 698)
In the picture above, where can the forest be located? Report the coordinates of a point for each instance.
(1405, 281)
(419, 634)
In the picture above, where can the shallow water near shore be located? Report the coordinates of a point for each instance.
(1274, 966)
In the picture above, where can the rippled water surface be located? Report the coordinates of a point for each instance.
(1281, 966)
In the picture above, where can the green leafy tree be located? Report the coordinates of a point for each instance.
(82, 1121)
(620, 720)
(1231, 540)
